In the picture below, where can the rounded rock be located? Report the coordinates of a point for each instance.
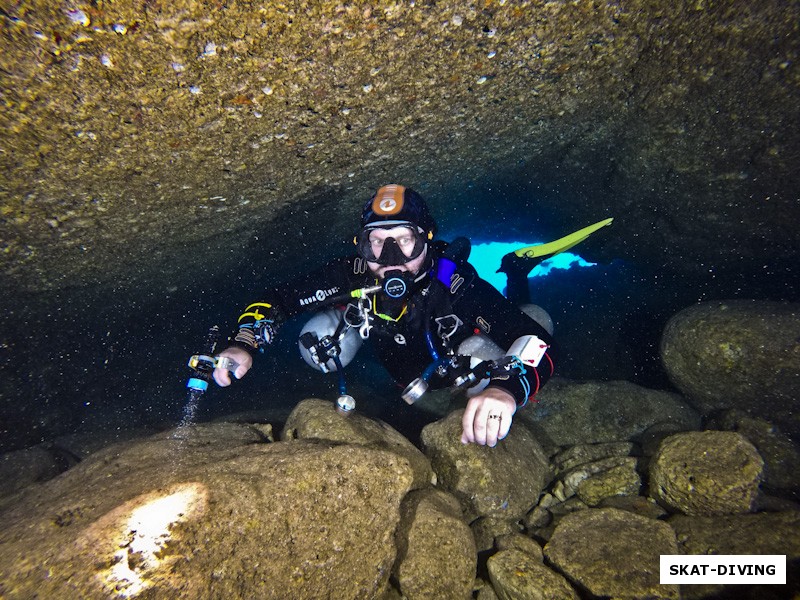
(706, 473)
(735, 354)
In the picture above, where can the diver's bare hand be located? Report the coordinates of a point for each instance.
(488, 417)
(244, 362)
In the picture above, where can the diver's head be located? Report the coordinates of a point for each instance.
(395, 230)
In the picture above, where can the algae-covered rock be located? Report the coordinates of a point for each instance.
(569, 482)
(318, 419)
(780, 453)
(523, 543)
(436, 551)
(619, 480)
(570, 413)
(706, 473)
(515, 574)
(486, 530)
(128, 125)
(736, 354)
(585, 453)
(758, 533)
(640, 505)
(613, 553)
(761, 533)
(209, 513)
(504, 481)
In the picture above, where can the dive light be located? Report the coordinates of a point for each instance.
(203, 365)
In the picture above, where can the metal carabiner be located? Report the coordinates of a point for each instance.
(448, 325)
(364, 306)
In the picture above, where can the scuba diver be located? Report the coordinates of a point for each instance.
(432, 321)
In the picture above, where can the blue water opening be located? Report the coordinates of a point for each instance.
(486, 257)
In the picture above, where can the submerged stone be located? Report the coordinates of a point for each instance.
(613, 553)
(736, 354)
(706, 473)
(504, 481)
(209, 517)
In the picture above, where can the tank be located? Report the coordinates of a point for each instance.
(325, 324)
(538, 314)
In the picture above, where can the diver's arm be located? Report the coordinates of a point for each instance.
(256, 328)
(488, 416)
(260, 321)
(483, 306)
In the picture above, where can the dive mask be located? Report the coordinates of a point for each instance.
(395, 250)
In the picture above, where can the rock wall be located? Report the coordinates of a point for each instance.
(185, 131)
(159, 160)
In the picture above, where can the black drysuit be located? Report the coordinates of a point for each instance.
(401, 345)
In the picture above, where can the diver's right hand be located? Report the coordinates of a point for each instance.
(244, 360)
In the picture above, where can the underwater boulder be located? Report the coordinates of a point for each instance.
(736, 354)
(504, 481)
(760, 533)
(780, 453)
(21, 468)
(619, 480)
(318, 419)
(517, 574)
(486, 531)
(581, 454)
(613, 553)
(543, 519)
(640, 505)
(706, 473)
(209, 511)
(570, 413)
(568, 482)
(521, 542)
(436, 551)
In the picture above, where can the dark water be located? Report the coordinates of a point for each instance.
(100, 364)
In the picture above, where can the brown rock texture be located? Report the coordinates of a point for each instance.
(212, 514)
(504, 481)
(318, 419)
(613, 553)
(736, 354)
(515, 574)
(706, 473)
(168, 126)
(436, 551)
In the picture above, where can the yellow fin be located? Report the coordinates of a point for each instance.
(561, 244)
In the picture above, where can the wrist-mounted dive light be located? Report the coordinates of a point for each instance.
(203, 365)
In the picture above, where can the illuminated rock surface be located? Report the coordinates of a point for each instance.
(212, 513)
(217, 511)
